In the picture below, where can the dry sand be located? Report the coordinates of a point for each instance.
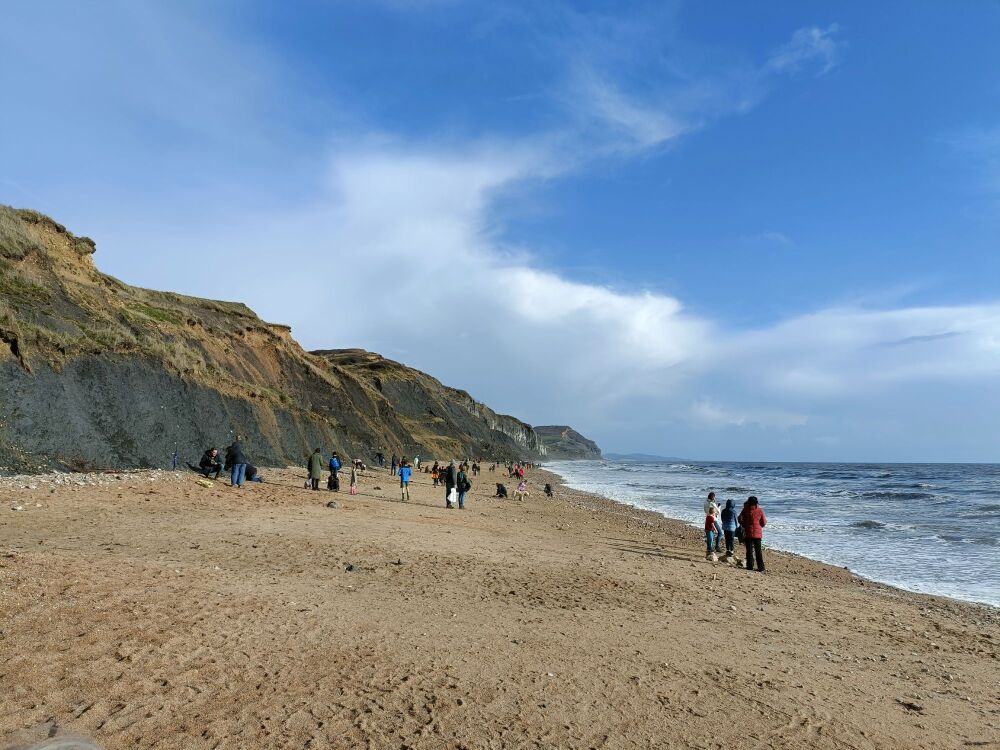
(168, 615)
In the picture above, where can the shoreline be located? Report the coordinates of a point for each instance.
(778, 549)
(670, 521)
(151, 611)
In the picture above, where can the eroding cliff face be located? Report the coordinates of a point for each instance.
(97, 373)
(447, 419)
(564, 442)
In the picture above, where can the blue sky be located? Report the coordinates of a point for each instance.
(714, 230)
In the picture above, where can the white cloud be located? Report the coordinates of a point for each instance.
(629, 120)
(710, 413)
(809, 45)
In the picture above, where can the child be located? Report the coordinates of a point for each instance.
(710, 531)
(354, 479)
(522, 491)
(434, 475)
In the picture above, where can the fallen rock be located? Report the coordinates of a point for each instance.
(910, 705)
(332, 504)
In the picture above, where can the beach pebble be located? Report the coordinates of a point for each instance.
(17, 507)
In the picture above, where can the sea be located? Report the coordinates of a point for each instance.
(931, 528)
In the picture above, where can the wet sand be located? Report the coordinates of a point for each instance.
(164, 614)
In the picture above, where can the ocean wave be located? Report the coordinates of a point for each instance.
(893, 495)
(875, 525)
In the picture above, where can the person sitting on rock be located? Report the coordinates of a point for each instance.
(210, 463)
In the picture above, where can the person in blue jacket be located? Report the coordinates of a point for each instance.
(335, 464)
(404, 480)
(729, 516)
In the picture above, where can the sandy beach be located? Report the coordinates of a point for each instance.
(147, 611)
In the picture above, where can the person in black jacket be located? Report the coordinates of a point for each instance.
(237, 462)
(210, 463)
(450, 483)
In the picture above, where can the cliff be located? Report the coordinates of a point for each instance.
(97, 373)
(563, 442)
(446, 420)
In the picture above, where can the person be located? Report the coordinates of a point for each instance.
(315, 468)
(464, 485)
(548, 490)
(404, 481)
(501, 490)
(394, 464)
(713, 507)
(210, 463)
(416, 463)
(522, 490)
(435, 473)
(710, 531)
(236, 460)
(253, 474)
(335, 464)
(450, 483)
(729, 526)
(355, 470)
(753, 521)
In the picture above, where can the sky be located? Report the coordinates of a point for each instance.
(714, 230)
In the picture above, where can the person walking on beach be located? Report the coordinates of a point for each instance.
(713, 507)
(355, 470)
(394, 465)
(450, 483)
(315, 466)
(729, 526)
(435, 474)
(404, 481)
(753, 521)
(236, 460)
(464, 485)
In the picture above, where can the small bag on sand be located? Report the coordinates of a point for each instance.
(452, 497)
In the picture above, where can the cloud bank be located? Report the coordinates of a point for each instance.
(396, 243)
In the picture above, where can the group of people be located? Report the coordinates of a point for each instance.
(316, 465)
(236, 463)
(455, 478)
(746, 526)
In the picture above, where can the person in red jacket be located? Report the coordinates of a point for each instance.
(753, 521)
